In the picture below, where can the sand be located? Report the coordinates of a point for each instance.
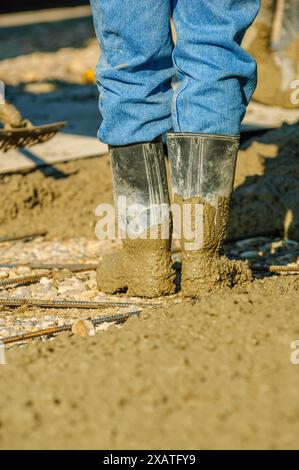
(215, 373)
(211, 374)
(60, 199)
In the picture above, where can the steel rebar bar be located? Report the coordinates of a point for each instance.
(22, 280)
(27, 236)
(65, 303)
(120, 318)
(75, 267)
(31, 278)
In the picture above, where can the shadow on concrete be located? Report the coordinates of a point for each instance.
(269, 202)
(46, 168)
(45, 36)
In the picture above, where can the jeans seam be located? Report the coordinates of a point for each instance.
(176, 94)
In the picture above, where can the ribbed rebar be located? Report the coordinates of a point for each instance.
(22, 280)
(65, 303)
(122, 317)
(75, 267)
(26, 236)
(31, 278)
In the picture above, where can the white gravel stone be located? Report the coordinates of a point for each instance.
(45, 281)
(103, 326)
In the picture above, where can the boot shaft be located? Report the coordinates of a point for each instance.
(202, 173)
(143, 266)
(202, 165)
(140, 185)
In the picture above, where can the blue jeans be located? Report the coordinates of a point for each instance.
(139, 62)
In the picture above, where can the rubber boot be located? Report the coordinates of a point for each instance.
(273, 40)
(143, 266)
(202, 171)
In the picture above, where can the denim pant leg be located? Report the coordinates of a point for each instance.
(216, 76)
(135, 69)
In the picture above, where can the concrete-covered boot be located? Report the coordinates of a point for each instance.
(143, 266)
(202, 173)
(273, 40)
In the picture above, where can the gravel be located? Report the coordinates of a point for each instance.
(82, 286)
(63, 285)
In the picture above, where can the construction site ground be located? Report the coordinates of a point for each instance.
(216, 372)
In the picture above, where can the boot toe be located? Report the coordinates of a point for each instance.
(110, 274)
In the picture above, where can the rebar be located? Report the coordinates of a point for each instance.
(22, 280)
(120, 318)
(75, 267)
(32, 278)
(26, 236)
(65, 303)
(36, 334)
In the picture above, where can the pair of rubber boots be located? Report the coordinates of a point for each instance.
(273, 40)
(202, 174)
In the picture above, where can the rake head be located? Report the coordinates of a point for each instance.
(27, 135)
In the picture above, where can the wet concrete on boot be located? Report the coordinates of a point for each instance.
(205, 269)
(142, 267)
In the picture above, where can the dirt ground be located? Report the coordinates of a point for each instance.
(61, 200)
(212, 373)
